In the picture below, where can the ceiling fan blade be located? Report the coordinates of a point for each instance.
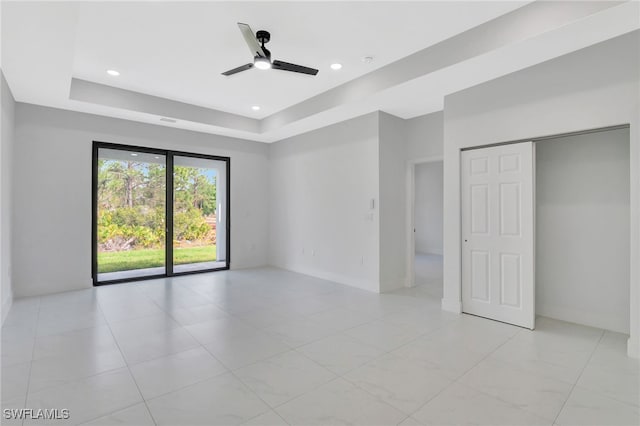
(286, 66)
(251, 40)
(239, 69)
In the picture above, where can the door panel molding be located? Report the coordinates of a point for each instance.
(502, 287)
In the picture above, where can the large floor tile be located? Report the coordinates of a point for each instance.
(15, 380)
(220, 329)
(88, 398)
(401, 382)
(299, 332)
(339, 319)
(16, 350)
(410, 421)
(340, 353)
(266, 317)
(619, 381)
(167, 374)
(339, 402)
(475, 334)
(383, 335)
(156, 345)
(197, 314)
(585, 407)
(222, 400)
(536, 394)
(139, 306)
(137, 415)
(143, 326)
(64, 320)
(423, 319)
(23, 312)
(446, 358)
(19, 331)
(84, 341)
(461, 405)
(611, 372)
(559, 362)
(283, 377)
(12, 417)
(270, 418)
(241, 351)
(56, 370)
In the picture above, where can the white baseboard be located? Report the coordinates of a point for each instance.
(330, 276)
(6, 305)
(633, 347)
(617, 323)
(452, 306)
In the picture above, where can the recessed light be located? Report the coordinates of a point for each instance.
(255, 108)
(133, 154)
(336, 66)
(367, 59)
(113, 73)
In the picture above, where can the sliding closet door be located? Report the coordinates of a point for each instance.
(130, 214)
(497, 233)
(199, 214)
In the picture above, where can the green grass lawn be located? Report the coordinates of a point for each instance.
(152, 258)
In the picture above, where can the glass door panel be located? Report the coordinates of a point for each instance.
(199, 214)
(131, 214)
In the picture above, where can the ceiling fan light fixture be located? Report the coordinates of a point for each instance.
(262, 63)
(262, 56)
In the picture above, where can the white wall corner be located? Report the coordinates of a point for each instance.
(454, 306)
(633, 347)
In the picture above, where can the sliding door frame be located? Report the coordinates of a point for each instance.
(169, 200)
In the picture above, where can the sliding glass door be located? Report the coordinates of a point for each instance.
(137, 234)
(131, 214)
(199, 225)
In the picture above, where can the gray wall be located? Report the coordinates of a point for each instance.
(52, 198)
(591, 88)
(428, 207)
(321, 184)
(6, 153)
(425, 136)
(392, 166)
(582, 229)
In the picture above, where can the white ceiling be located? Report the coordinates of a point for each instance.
(177, 50)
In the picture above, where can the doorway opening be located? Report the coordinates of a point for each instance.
(426, 225)
(138, 233)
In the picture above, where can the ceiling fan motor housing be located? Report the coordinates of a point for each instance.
(263, 36)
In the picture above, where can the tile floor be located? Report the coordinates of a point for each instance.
(428, 273)
(269, 347)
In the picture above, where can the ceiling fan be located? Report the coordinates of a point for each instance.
(262, 56)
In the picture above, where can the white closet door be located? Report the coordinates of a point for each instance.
(498, 233)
